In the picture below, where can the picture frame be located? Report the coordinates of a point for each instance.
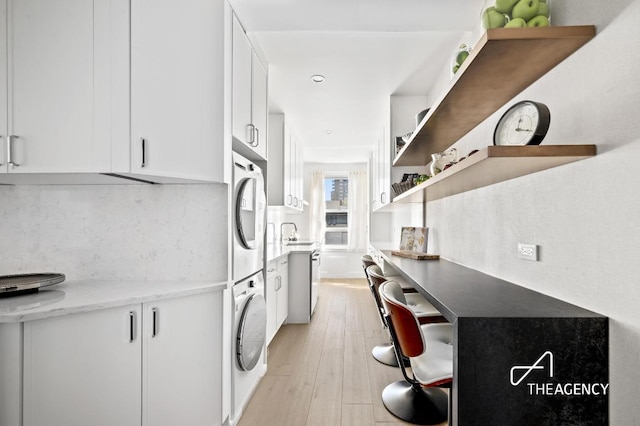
(414, 238)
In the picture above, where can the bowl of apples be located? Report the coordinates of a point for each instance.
(516, 14)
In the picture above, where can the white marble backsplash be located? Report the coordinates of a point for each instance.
(132, 232)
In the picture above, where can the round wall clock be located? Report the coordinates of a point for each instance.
(525, 123)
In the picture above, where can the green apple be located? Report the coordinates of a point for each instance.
(543, 9)
(525, 9)
(516, 23)
(456, 67)
(538, 21)
(505, 6)
(461, 56)
(491, 18)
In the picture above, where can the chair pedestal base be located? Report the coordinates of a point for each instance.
(385, 354)
(422, 406)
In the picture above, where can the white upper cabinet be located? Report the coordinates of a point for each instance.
(56, 85)
(249, 97)
(177, 89)
(91, 92)
(259, 105)
(285, 165)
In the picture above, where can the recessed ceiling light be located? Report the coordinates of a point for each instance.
(328, 132)
(317, 78)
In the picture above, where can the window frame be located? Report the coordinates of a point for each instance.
(341, 229)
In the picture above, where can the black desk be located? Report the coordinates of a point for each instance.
(520, 358)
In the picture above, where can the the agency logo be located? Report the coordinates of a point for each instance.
(545, 364)
(529, 368)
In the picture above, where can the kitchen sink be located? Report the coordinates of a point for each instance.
(300, 243)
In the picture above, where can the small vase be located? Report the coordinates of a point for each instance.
(439, 160)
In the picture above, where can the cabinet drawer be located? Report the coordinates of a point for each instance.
(272, 268)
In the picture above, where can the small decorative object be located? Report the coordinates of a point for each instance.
(516, 13)
(409, 177)
(524, 123)
(422, 114)
(401, 187)
(422, 178)
(414, 239)
(406, 137)
(459, 57)
(399, 144)
(440, 159)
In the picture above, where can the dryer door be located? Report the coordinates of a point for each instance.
(250, 211)
(251, 332)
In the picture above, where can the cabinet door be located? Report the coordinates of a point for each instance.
(241, 88)
(283, 292)
(300, 179)
(271, 297)
(182, 361)
(386, 164)
(83, 369)
(55, 85)
(3, 87)
(259, 106)
(176, 125)
(288, 166)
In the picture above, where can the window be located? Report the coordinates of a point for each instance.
(336, 196)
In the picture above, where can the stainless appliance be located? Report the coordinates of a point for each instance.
(249, 205)
(315, 278)
(303, 283)
(249, 332)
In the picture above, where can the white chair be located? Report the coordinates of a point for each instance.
(429, 348)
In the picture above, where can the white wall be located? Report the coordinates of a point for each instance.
(585, 216)
(123, 232)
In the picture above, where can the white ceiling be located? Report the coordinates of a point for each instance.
(366, 49)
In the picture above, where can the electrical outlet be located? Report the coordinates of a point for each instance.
(528, 251)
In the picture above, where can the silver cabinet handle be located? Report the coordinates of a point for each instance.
(257, 131)
(156, 322)
(279, 281)
(295, 201)
(10, 152)
(382, 196)
(289, 200)
(251, 134)
(143, 143)
(132, 326)
(1, 138)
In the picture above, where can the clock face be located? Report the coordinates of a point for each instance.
(525, 123)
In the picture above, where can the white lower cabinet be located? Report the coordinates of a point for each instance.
(282, 292)
(277, 295)
(157, 363)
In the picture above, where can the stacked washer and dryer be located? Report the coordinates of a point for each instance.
(248, 304)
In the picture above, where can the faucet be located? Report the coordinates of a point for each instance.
(295, 230)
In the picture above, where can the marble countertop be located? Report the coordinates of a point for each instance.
(72, 297)
(275, 251)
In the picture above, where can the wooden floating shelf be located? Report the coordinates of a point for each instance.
(492, 165)
(503, 63)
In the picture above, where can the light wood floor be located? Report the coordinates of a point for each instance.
(323, 373)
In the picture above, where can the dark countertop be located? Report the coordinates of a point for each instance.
(459, 292)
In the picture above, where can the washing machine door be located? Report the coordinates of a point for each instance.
(251, 332)
(250, 211)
